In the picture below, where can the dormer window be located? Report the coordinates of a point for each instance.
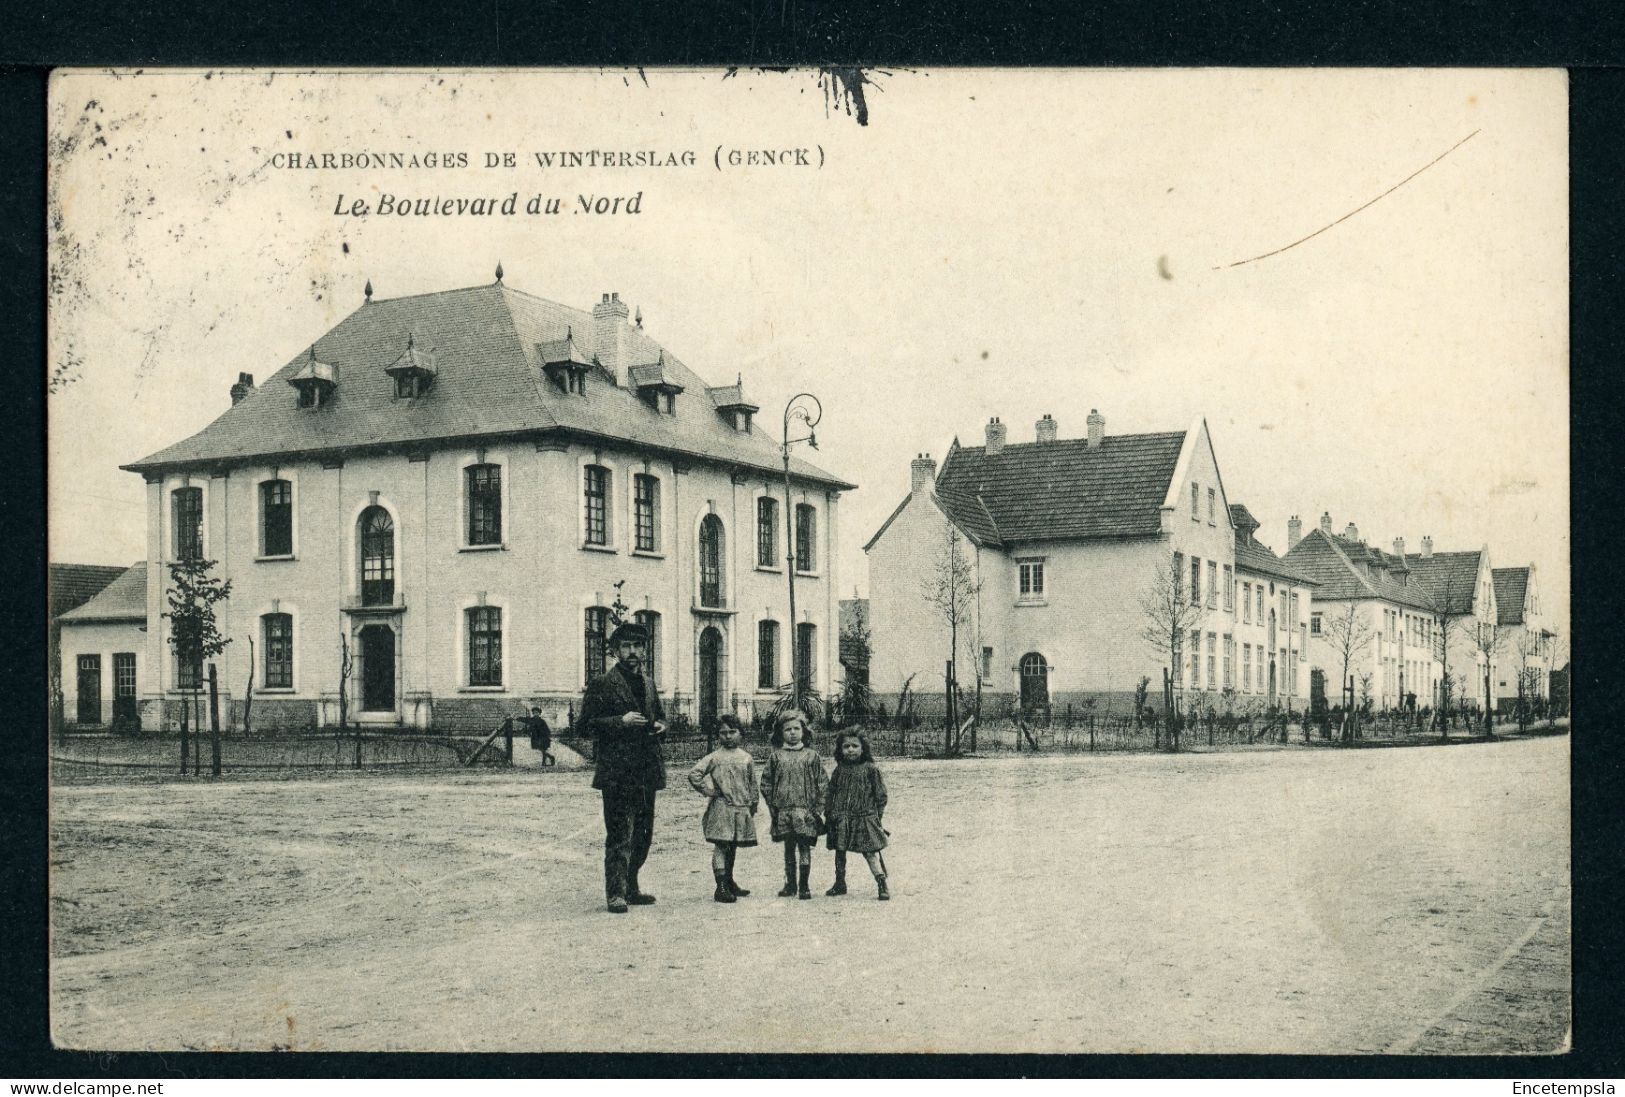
(414, 371)
(316, 382)
(654, 387)
(564, 364)
(729, 401)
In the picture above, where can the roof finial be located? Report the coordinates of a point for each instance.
(640, 316)
(409, 340)
(499, 270)
(367, 289)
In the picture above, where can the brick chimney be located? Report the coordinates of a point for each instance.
(244, 386)
(1294, 532)
(996, 434)
(1097, 428)
(1326, 522)
(609, 336)
(1046, 429)
(1399, 547)
(922, 474)
(1427, 548)
(1351, 532)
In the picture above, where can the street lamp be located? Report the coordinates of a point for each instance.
(807, 408)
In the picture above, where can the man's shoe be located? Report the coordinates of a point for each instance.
(640, 899)
(788, 889)
(738, 891)
(616, 905)
(838, 887)
(723, 895)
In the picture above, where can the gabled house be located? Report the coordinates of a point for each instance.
(1271, 620)
(1527, 641)
(1374, 622)
(1061, 538)
(456, 488)
(103, 649)
(1463, 587)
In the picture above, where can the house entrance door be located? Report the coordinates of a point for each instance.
(90, 689)
(124, 706)
(710, 678)
(1034, 684)
(377, 669)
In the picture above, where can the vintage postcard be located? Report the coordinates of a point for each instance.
(827, 560)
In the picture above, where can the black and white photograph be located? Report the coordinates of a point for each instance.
(1005, 561)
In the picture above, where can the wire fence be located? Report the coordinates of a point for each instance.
(93, 756)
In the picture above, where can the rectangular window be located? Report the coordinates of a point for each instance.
(646, 502)
(277, 638)
(276, 518)
(767, 655)
(650, 620)
(1247, 603)
(188, 673)
(485, 505)
(597, 636)
(767, 532)
(1212, 584)
(123, 675)
(1258, 601)
(1292, 674)
(987, 664)
(1229, 661)
(485, 646)
(806, 643)
(1196, 581)
(1196, 500)
(1179, 577)
(1212, 661)
(1032, 580)
(597, 494)
(806, 538)
(1314, 624)
(187, 506)
(1211, 513)
(1246, 668)
(1229, 589)
(1196, 659)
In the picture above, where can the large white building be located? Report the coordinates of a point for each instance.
(1527, 642)
(1062, 538)
(456, 487)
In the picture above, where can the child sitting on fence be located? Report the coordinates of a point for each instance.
(855, 808)
(794, 786)
(728, 776)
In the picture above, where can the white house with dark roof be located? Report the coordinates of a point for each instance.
(455, 486)
(1269, 647)
(1527, 640)
(1385, 599)
(1064, 536)
(103, 644)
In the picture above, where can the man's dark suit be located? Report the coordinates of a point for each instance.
(629, 770)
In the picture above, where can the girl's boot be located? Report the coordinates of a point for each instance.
(789, 887)
(723, 895)
(839, 886)
(880, 883)
(738, 891)
(805, 892)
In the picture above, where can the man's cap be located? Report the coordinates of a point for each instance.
(628, 631)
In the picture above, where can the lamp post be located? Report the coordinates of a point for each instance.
(807, 408)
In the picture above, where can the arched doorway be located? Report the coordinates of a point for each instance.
(377, 669)
(710, 684)
(1034, 683)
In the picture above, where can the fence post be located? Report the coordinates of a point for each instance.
(507, 738)
(214, 723)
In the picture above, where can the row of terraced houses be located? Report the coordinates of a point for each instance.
(458, 488)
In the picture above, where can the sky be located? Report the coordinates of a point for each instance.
(994, 242)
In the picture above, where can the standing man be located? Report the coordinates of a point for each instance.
(623, 714)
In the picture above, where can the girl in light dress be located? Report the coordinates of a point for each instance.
(794, 786)
(728, 776)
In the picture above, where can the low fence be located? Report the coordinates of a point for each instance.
(90, 756)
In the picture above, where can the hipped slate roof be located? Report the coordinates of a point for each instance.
(1351, 570)
(1511, 587)
(1061, 490)
(124, 599)
(1451, 577)
(72, 585)
(488, 344)
(1261, 559)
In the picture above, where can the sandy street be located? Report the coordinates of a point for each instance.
(1285, 901)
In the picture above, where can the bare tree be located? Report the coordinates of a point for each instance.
(951, 588)
(1488, 640)
(195, 634)
(1349, 634)
(248, 692)
(346, 670)
(1166, 616)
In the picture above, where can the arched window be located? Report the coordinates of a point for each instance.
(711, 561)
(806, 538)
(187, 507)
(1034, 682)
(650, 620)
(276, 518)
(597, 637)
(276, 637)
(485, 646)
(377, 557)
